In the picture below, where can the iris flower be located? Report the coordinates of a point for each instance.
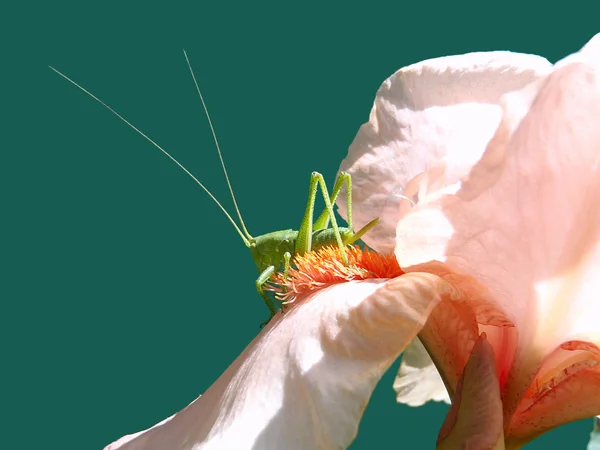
(483, 171)
(513, 225)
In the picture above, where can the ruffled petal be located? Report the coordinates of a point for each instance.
(304, 382)
(567, 388)
(523, 229)
(430, 123)
(532, 237)
(418, 380)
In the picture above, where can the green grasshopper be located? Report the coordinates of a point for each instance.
(272, 250)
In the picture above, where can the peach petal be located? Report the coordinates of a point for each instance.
(475, 417)
(304, 382)
(430, 123)
(574, 398)
(526, 222)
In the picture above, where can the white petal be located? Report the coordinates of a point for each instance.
(526, 222)
(430, 123)
(418, 380)
(588, 54)
(304, 382)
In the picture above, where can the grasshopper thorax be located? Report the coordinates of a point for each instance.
(268, 249)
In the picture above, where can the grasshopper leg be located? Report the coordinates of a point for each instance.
(260, 281)
(287, 256)
(304, 239)
(323, 220)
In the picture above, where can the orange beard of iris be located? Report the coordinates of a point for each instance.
(324, 267)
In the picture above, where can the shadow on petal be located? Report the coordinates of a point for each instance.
(475, 419)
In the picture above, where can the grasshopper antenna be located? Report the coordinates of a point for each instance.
(217, 145)
(244, 238)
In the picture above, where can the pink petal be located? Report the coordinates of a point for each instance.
(433, 117)
(523, 229)
(475, 418)
(567, 388)
(305, 380)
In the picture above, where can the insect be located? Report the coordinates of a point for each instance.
(273, 250)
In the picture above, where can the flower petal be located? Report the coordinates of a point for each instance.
(418, 380)
(524, 228)
(304, 382)
(432, 118)
(475, 418)
(566, 389)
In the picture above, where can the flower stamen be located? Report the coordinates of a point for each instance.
(325, 266)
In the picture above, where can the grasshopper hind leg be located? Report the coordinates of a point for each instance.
(304, 239)
(323, 221)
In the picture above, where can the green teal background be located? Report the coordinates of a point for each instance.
(125, 292)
